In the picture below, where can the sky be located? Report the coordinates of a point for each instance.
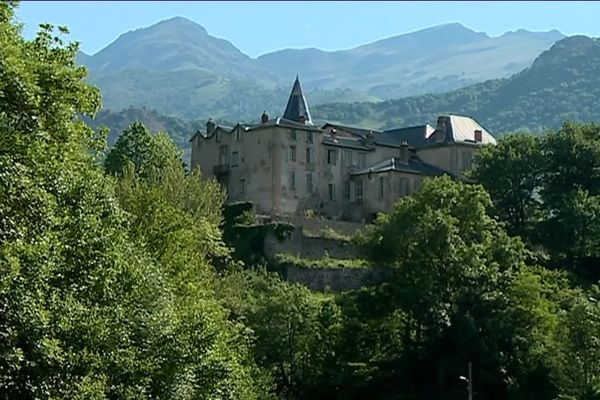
(257, 28)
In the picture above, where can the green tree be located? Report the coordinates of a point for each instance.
(460, 284)
(295, 331)
(511, 173)
(148, 153)
(87, 311)
(570, 194)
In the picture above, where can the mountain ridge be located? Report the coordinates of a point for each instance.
(214, 78)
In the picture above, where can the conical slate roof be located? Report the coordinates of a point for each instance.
(297, 105)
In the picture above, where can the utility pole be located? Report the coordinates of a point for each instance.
(470, 382)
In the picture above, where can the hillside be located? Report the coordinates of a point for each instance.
(177, 68)
(563, 83)
(440, 58)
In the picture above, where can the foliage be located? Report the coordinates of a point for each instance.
(325, 262)
(562, 84)
(295, 330)
(91, 307)
(511, 173)
(148, 154)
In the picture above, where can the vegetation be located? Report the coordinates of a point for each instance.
(562, 84)
(325, 262)
(118, 280)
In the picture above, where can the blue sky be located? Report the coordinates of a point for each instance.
(260, 27)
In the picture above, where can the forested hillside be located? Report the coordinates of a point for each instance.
(177, 68)
(562, 84)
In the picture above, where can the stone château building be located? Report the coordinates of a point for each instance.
(287, 165)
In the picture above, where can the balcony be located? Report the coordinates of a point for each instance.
(221, 169)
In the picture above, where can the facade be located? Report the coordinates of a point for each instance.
(287, 165)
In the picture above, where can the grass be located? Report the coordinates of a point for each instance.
(327, 233)
(325, 262)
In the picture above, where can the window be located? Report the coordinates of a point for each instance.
(381, 187)
(332, 157)
(218, 137)
(242, 186)
(238, 135)
(309, 182)
(332, 192)
(292, 181)
(347, 158)
(223, 152)
(309, 155)
(310, 137)
(403, 187)
(292, 153)
(347, 190)
(416, 184)
(362, 160)
(359, 191)
(292, 135)
(235, 159)
(466, 160)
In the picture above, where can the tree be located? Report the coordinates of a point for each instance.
(146, 152)
(295, 331)
(87, 311)
(511, 173)
(453, 268)
(570, 194)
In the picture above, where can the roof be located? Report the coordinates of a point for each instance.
(414, 166)
(459, 129)
(347, 142)
(283, 122)
(297, 106)
(247, 128)
(362, 132)
(414, 136)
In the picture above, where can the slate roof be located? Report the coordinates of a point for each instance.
(362, 132)
(415, 136)
(297, 105)
(414, 166)
(347, 143)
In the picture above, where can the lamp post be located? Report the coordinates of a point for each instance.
(469, 381)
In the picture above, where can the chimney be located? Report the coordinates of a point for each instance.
(369, 139)
(441, 128)
(404, 152)
(478, 136)
(210, 127)
(264, 118)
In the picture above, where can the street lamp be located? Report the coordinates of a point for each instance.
(469, 381)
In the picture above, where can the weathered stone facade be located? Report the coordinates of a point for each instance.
(289, 166)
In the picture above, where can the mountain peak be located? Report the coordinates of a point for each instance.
(179, 22)
(566, 51)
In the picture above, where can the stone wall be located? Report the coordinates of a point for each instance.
(334, 279)
(309, 248)
(316, 225)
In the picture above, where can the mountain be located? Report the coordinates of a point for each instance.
(177, 68)
(563, 83)
(431, 60)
